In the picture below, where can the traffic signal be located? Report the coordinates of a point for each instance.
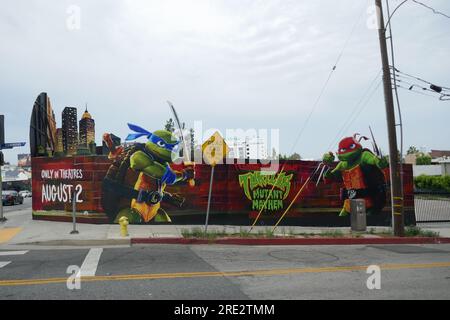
(2, 159)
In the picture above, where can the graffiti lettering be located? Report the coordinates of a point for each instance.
(61, 193)
(67, 174)
(252, 180)
(257, 187)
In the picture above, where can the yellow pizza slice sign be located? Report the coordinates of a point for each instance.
(214, 149)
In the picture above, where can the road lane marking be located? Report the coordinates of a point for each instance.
(90, 263)
(4, 263)
(12, 253)
(7, 234)
(273, 272)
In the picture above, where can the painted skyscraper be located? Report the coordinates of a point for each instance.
(87, 129)
(42, 127)
(59, 149)
(69, 130)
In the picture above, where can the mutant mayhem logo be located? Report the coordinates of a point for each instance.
(257, 186)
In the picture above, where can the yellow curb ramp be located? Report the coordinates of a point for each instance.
(7, 234)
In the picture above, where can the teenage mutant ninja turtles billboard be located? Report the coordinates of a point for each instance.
(105, 189)
(140, 181)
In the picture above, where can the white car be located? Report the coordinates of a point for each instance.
(25, 193)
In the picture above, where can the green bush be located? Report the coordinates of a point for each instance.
(423, 160)
(433, 183)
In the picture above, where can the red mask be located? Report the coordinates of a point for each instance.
(348, 144)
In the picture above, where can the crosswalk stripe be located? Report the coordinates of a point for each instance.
(90, 263)
(4, 263)
(12, 253)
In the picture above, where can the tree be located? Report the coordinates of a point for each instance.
(294, 156)
(412, 150)
(423, 159)
(170, 125)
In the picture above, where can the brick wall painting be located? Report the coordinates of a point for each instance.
(239, 191)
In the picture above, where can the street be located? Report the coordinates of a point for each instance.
(228, 272)
(218, 271)
(18, 207)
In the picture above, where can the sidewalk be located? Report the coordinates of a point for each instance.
(20, 229)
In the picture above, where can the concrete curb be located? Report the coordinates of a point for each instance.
(290, 241)
(81, 243)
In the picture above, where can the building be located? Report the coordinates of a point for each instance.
(59, 149)
(411, 158)
(248, 148)
(435, 154)
(69, 130)
(87, 129)
(42, 127)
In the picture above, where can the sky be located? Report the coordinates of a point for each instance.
(247, 64)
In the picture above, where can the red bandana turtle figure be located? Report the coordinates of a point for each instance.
(361, 172)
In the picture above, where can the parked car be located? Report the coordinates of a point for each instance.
(11, 197)
(25, 193)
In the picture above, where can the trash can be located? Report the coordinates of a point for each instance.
(358, 215)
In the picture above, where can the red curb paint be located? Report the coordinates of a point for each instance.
(291, 241)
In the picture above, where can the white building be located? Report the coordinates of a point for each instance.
(248, 148)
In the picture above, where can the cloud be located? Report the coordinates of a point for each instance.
(246, 63)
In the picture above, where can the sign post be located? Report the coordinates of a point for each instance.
(2, 218)
(74, 217)
(214, 151)
(4, 145)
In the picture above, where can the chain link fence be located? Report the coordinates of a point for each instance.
(432, 207)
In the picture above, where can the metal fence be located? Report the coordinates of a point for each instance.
(432, 207)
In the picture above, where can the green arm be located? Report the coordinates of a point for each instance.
(328, 159)
(371, 159)
(335, 173)
(139, 161)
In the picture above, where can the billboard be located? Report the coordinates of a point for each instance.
(24, 160)
(140, 181)
(239, 193)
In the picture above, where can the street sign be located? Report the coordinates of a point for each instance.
(11, 145)
(214, 149)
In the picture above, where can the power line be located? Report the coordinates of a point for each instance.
(308, 118)
(415, 91)
(432, 9)
(399, 109)
(443, 92)
(363, 107)
(415, 77)
(419, 3)
(348, 121)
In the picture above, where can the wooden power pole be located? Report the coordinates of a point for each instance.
(396, 185)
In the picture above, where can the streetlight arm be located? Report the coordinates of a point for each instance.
(393, 12)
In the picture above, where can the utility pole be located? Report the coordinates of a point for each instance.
(2, 141)
(2, 218)
(396, 185)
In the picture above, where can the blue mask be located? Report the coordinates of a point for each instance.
(141, 132)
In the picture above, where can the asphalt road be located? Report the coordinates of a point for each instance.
(228, 272)
(18, 207)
